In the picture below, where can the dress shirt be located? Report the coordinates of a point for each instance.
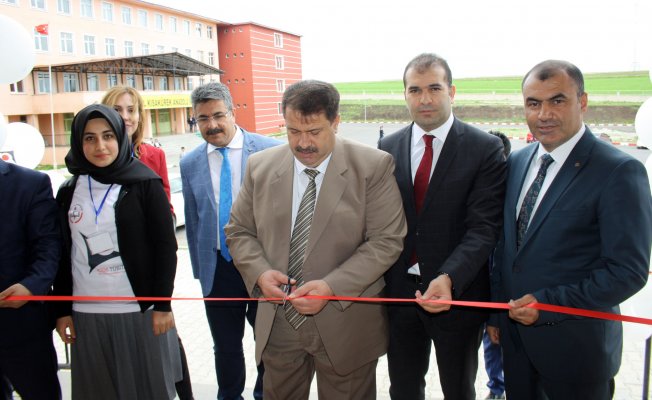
(416, 154)
(559, 155)
(215, 167)
(300, 184)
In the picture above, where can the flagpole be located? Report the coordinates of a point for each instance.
(54, 150)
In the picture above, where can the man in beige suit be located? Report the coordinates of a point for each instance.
(353, 236)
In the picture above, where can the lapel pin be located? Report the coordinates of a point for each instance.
(577, 164)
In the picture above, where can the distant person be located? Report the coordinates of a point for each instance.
(182, 153)
(118, 241)
(211, 176)
(192, 122)
(30, 248)
(157, 143)
(129, 104)
(451, 176)
(577, 233)
(324, 215)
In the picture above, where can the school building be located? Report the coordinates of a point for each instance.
(84, 47)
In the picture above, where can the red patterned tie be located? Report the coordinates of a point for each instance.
(422, 177)
(421, 180)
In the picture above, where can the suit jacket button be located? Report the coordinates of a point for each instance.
(517, 269)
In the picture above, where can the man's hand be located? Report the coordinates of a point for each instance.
(270, 283)
(494, 334)
(520, 313)
(66, 329)
(440, 288)
(162, 321)
(310, 306)
(14, 290)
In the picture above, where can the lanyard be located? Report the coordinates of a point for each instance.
(98, 210)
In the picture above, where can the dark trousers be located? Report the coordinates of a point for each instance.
(227, 324)
(411, 336)
(522, 381)
(184, 386)
(493, 364)
(31, 368)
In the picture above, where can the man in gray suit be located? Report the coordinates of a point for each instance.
(342, 248)
(211, 175)
(577, 233)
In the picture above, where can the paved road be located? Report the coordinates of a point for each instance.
(194, 331)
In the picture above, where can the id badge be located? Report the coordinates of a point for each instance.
(100, 243)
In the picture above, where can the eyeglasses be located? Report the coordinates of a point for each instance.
(217, 117)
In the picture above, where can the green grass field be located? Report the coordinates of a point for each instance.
(614, 83)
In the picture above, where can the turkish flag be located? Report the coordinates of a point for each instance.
(42, 29)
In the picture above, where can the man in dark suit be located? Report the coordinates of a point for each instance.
(577, 233)
(451, 178)
(30, 247)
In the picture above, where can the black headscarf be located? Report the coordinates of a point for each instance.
(124, 169)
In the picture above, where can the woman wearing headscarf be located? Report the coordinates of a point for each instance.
(117, 242)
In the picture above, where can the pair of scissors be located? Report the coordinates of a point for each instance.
(287, 289)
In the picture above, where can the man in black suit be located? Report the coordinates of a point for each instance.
(577, 233)
(30, 247)
(451, 178)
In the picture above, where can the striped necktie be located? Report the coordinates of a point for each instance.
(299, 242)
(530, 199)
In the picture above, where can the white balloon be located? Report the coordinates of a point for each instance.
(643, 124)
(57, 178)
(17, 48)
(3, 129)
(25, 143)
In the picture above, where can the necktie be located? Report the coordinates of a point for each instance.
(422, 176)
(530, 199)
(421, 180)
(298, 243)
(225, 200)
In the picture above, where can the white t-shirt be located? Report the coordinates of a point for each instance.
(97, 268)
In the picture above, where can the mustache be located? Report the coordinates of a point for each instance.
(214, 131)
(307, 150)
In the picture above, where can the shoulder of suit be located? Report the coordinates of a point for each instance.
(259, 140)
(22, 172)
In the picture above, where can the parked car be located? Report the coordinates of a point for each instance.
(603, 136)
(530, 138)
(177, 200)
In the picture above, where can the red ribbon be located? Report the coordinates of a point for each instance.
(477, 304)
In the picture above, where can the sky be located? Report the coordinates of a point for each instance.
(372, 40)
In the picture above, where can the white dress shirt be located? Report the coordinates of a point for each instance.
(215, 168)
(559, 155)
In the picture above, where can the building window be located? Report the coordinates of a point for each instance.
(160, 48)
(279, 108)
(43, 82)
(111, 80)
(211, 58)
(226, 55)
(89, 45)
(107, 12)
(109, 45)
(186, 27)
(142, 18)
(200, 55)
(201, 80)
(242, 80)
(280, 85)
(40, 41)
(93, 82)
(236, 81)
(63, 6)
(209, 32)
(129, 48)
(70, 83)
(173, 24)
(126, 15)
(175, 49)
(67, 123)
(190, 84)
(280, 64)
(189, 52)
(163, 83)
(198, 29)
(148, 83)
(66, 42)
(178, 83)
(17, 87)
(39, 4)
(8, 1)
(278, 40)
(131, 81)
(158, 22)
(241, 54)
(87, 8)
(144, 49)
